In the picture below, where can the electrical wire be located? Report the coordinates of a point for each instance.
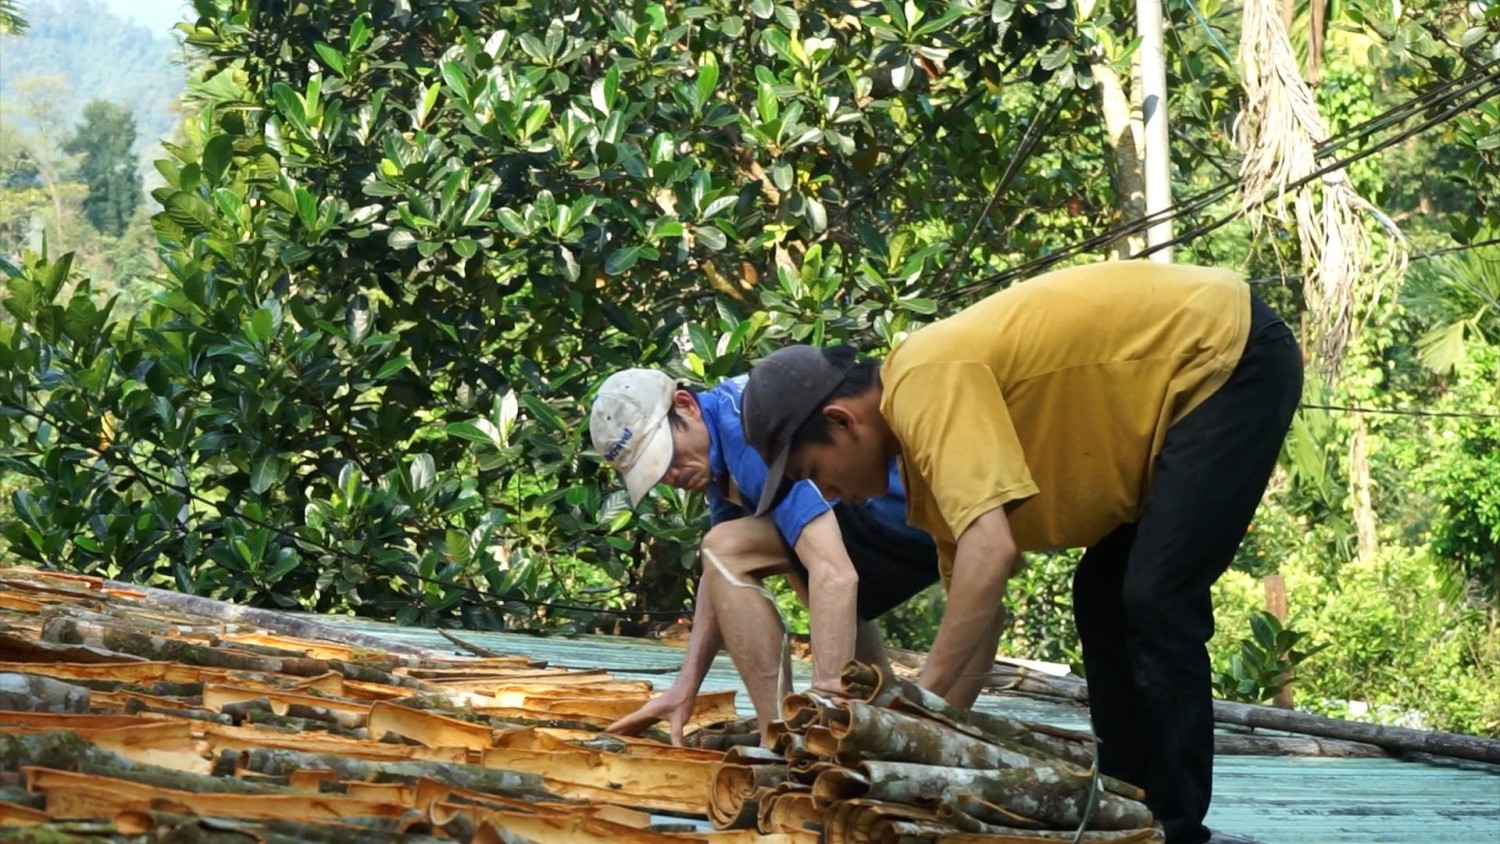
(1441, 94)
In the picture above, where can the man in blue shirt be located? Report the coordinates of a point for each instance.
(849, 561)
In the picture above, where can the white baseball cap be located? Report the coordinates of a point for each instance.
(629, 427)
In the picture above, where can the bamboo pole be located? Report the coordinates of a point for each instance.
(1238, 744)
(1399, 739)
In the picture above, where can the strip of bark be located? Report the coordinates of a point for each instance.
(71, 631)
(276, 622)
(65, 750)
(1057, 803)
(472, 777)
(876, 733)
(35, 693)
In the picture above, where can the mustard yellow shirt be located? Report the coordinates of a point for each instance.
(1052, 397)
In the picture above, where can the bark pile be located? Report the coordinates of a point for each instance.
(129, 715)
(896, 765)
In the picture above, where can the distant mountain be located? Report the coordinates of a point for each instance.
(101, 56)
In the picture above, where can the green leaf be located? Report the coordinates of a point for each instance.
(262, 325)
(544, 414)
(765, 103)
(190, 212)
(87, 543)
(25, 297)
(80, 318)
(710, 237)
(392, 366)
(331, 57)
(217, 154)
(290, 105)
(923, 306)
(424, 108)
(457, 79)
(359, 32)
(621, 260)
(1264, 627)
(423, 471)
(513, 222)
(480, 430)
(478, 204)
(287, 561)
(265, 474)
(708, 77)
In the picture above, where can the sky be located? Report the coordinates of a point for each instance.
(157, 15)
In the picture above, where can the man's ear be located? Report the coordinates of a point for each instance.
(839, 416)
(686, 404)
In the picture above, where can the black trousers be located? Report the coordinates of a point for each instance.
(1141, 595)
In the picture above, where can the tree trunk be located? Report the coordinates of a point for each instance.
(1359, 488)
(1317, 12)
(1121, 124)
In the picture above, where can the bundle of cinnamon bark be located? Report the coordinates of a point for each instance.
(893, 764)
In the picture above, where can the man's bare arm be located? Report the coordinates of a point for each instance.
(676, 704)
(832, 587)
(981, 566)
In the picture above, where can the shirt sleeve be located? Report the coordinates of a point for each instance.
(800, 505)
(957, 434)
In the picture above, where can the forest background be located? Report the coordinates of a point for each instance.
(303, 302)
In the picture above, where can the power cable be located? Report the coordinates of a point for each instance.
(1403, 411)
(1337, 164)
(1442, 93)
(1424, 256)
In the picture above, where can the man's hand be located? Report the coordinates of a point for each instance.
(672, 706)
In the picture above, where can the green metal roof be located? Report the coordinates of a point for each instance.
(1279, 800)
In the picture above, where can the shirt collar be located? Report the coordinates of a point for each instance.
(708, 405)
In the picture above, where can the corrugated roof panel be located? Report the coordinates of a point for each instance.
(1280, 800)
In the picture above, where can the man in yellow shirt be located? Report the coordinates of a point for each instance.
(1134, 409)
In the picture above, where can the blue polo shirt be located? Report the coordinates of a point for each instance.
(730, 456)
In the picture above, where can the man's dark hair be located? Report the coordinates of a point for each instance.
(860, 374)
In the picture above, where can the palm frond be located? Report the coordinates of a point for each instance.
(1279, 131)
(11, 21)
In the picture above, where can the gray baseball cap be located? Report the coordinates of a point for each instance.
(629, 427)
(785, 389)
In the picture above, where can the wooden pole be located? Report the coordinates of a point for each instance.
(1158, 163)
(1276, 605)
